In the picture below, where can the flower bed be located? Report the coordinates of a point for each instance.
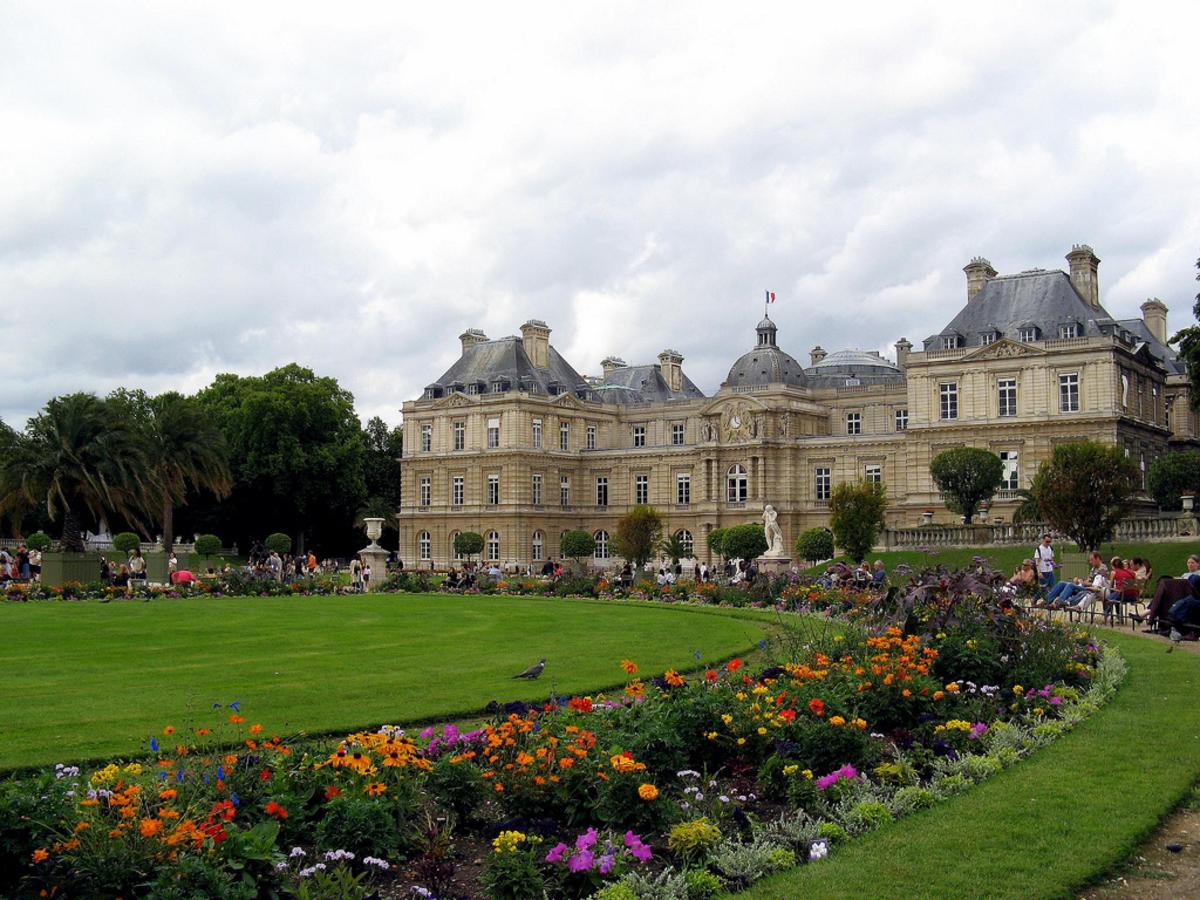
(678, 785)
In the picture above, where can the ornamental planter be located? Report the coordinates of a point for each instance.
(59, 568)
(927, 517)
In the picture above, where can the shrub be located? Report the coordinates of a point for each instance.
(691, 841)
(716, 541)
(126, 541)
(39, 540)
(1084, 490)
(832, 832)
(666, 885)
(457, 787)
(815, 545)
(357, 824)
(576, 544)
(702, 884)
(856, 516)
(866, 816)
(199, 878)
(1172, 474)
(638, 534)
(745, 541)
(743, 863)
(279, 542)
(513, 874)
(909, 800)
(616, 891)
(467, 544)
(208, 544)
(966, 476)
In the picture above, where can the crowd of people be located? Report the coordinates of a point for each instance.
(20, 565)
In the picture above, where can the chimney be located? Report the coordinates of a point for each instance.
(670, 365)
(979, 273)
(816, 354)
(903, 348)
(1084, 268)
(610, 363)
(535, 337)
(471, 337)
(1154, 314)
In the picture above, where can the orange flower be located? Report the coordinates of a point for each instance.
(40, 855)
(648, 792)
(734, 664)
(255, 729)
(150, 827)
(169, 730)
(375, 788)
(82, 826)
(629, 666)
(673, 678)
(274, 809)
(201, 732)
(566, 762)
(236, 719)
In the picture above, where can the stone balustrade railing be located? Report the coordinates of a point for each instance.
(1168, 527)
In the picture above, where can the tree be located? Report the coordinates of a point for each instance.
(467, 544)
(856, 513)
(1084, 490)
(1027, 508)
(39, 540)
(77, 459)
(745, 541)
(674, 548)
(208, 545)
(297, 451)
(382, 449)
(1172, 474)
(278, 542)
(966, 476)
(716, 541)
(1189, 350)
(577, 544)
(638, 534)
(186, 450)
(815, 544)
(126, 542)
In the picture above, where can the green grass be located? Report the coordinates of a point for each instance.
(1052, 824)
(86, 680)
(1167, 559)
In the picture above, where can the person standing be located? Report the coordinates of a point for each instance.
(137, 565)
(366, 577)
(35, 564)
(1043, 556)
(312, 564)
(356, 582)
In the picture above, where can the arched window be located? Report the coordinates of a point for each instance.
(424, 545)
(601, 537)
(737, 483)
(539, 545)
(685, 540)
(493, 546)
(453, 553)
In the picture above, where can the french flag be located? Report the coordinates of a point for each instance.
(770, 296)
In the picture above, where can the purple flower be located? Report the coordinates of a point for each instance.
(587, 839)
(827, 781)
(581, 862)
(977, 730)
(427, 732)
(556, 853)
(606, 864)
(642, 852)
(1055, 701)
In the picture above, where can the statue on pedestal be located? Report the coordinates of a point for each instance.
(773, 532)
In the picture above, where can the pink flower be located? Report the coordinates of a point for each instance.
(587, 839)
(606, 864)
(581, 862)
(556, 853)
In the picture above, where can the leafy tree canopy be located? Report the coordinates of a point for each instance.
(279, 542)
(576, 544)
(1172, 474)
(966, 476)
(126, 541)
(1084, 490)
(716, 541)
(638, 534)
(382, 448)
(467, 544)
(208, 544)
(815, 544)
(1189, 350)
(856, 513)
(745, 541)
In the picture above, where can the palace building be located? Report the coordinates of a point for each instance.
(513, 443)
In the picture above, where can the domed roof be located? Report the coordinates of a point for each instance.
(766, 363)
(857, 361)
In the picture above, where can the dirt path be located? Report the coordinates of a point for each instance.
(1156, 873)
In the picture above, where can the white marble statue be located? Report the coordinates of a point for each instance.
(774, 533)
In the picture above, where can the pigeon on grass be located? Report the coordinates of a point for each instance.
(1176, 637)
(534, 671)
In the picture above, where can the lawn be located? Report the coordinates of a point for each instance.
(1053, 823)
(85, 680)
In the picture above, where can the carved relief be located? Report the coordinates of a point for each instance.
(738, 425)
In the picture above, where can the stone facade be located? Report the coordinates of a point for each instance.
(512, 443)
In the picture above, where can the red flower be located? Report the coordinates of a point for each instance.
(817, 707)
(788, 715)
(274, 809)
(734, 664)
(264, 775)
(332, 792)
(711, 676)
(223, 809)
(580, 704)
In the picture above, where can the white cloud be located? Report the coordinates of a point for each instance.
(187, 193)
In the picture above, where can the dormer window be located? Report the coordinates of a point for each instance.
(499, 386)
(949, 341)
(553, 388)
(988, 337)
(1068, 330)
(1028, 333)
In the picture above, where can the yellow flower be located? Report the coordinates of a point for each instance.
(648, 792)
(952, 688)
(791, 770)
(712, 735)
(837, 721)
(808, 773)
(375, 788)
(762, 730)
(860, 724)
(938, 695)
(741, 741)
(1018, 690)
(727, 719)
(508, 842)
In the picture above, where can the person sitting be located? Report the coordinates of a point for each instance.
(661, 578)
(1123, 588)
(1080, 591)
(879, 576)
(1169, 592)
(452, 579)
(1024, 578)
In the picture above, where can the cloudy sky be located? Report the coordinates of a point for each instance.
(185, 193)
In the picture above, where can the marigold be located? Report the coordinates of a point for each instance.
(817, 707)
(150, 827)
(648, 792)
(711, 676)
(734, 664)
(40, 855)
(837, 721)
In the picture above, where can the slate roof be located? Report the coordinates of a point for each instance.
(855, 367)
(1170, 359)
(1008, 303)
(637, 384)
(504, 359)
(766, 363)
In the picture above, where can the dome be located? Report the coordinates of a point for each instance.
(766, 363)
(853, 367)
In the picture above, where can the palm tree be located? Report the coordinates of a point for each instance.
(76, 457)
(1028, 509)
(673, 547)
(188, 453)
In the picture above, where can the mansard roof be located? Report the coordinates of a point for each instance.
(637, 384)
(1169, 358)
(505, 360)
(1006, 304)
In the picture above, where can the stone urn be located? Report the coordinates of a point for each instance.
(374, 529)
(927, 517)
(1189, 501)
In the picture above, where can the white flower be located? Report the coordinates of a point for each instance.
(297, 851)
(377, 862)
(723, 799)
(685, 805)
(699, 797)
